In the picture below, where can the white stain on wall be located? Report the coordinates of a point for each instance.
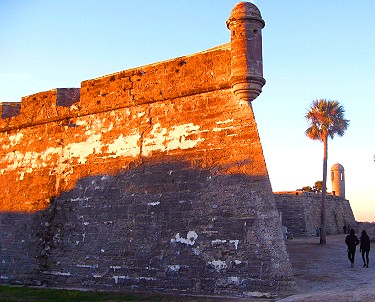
(235, 242)
(190, 239)
(221, 241)
(218, 241)
(15, 139)
(221, 129)
(176, 138)
(11, 140)
(117, 278)
(58, 273)
(196, 251)
(80, 122)
(125, 146)
(162, 139)
(25, 161)
(87, 266)
(83, 149)
(174, 268)
(115, 267)
(218, 265)
(218, 129)
(224, 122)
(62, 158)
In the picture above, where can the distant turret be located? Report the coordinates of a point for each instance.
(338, 180)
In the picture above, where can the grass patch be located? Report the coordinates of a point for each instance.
(24, 294)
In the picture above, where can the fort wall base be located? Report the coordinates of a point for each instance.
(104, 235)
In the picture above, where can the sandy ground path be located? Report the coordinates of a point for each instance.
(323, 272)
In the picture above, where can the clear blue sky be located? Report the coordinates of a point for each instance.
(311, 49)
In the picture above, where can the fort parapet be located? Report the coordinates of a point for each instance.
(149, 179)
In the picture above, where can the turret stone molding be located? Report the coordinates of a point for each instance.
(245, 24)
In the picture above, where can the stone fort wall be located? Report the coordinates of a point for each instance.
(300, 212)
(369, 227)
(149, 179)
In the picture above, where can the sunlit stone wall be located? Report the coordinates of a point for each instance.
(150, 179)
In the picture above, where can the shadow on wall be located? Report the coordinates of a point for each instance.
(161, 226)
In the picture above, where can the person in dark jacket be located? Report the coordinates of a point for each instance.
(365, 247)
(351, 241)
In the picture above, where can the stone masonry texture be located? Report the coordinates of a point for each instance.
(149, 179)
(300, 213)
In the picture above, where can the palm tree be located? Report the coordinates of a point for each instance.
(326, 118)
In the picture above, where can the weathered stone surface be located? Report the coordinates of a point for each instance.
(153, 179)
(9, 109)
(301, 213)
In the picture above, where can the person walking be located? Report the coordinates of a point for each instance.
(365, 248)
(351, 241)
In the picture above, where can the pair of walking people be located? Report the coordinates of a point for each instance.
(352, 241)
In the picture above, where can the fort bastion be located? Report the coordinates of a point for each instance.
(149, 179)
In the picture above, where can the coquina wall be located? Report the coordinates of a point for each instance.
(369, 227)
(300, 212)
(149, 179)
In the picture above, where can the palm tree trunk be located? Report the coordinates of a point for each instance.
(324, 189)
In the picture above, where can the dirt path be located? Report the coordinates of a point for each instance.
(323, 273)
